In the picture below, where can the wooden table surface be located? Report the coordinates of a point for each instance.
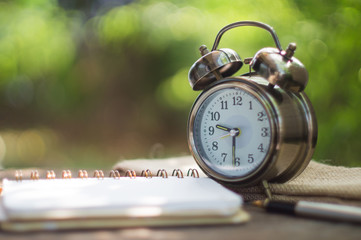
(262, 225)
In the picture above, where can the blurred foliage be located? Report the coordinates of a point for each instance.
(85, 83)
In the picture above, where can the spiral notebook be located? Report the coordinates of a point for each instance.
(111, 202)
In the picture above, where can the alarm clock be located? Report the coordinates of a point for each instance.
(259, 126)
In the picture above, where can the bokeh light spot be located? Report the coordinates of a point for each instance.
(30, 145)
(318, 49)
(176, 91)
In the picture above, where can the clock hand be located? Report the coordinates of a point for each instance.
(235, 132)
(223, 128)
(233, 151)
(229, 130)
(220, 137)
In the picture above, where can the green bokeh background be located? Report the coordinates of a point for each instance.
(86, 83)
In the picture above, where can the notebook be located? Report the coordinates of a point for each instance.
(88, 203)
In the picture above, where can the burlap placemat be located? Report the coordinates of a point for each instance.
(319, 182)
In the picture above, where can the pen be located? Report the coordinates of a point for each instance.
(313, 209)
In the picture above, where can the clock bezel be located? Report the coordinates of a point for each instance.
(260, 94)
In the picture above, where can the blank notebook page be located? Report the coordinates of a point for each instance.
(122, 197)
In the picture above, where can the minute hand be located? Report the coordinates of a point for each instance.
(234, 151)
(234, 133)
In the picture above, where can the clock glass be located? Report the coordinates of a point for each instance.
(232, 131)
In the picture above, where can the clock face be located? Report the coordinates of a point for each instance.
(232, 131)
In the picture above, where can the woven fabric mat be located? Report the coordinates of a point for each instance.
(318, 182)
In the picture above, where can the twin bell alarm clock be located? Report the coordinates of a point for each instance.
(256, 127)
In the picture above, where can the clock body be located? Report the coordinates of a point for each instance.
(242, 131)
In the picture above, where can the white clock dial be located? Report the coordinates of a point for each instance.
(232, 132)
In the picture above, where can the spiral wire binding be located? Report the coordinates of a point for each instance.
(50, 174)
(99, 174)
(146, 173)
(192, 172)
(114, 174)
(162, 173)
(34, 175)
(178, 173)
(18, 175)
(131, 174)
(66, 174)
(82, 174)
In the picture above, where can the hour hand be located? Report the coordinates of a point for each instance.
(223, 128)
